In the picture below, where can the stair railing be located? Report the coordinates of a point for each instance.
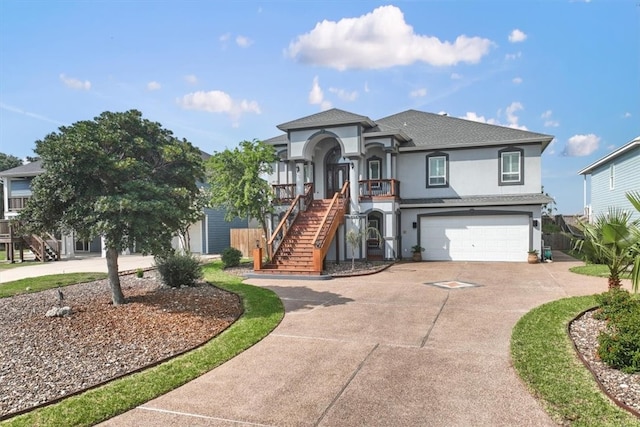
(40, 247)
(300, 203)
(329, 225)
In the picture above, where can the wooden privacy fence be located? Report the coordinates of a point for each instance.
(558, 241)
(244, 240)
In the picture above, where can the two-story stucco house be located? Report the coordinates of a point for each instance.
(460, 189)
(209, 235)
(612, 177)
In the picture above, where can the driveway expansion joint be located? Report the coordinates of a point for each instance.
(342, 390)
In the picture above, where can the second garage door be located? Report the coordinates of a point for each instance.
(475, 238)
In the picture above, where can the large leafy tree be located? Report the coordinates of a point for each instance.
(7, 161)
(118, 176)
(612, 239)
(237, 183)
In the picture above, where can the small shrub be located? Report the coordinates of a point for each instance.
(139, 273)
(614, 304)
(231, 257)
(619, 343)
(179, 270)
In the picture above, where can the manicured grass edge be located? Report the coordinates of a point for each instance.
(263, 311)
(544, 357)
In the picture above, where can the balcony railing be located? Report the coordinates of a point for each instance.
(379, 188)
(284, 194)
(17, 203)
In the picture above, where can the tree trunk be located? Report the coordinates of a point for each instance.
(614, 282)
(266, 238)
(114, 279)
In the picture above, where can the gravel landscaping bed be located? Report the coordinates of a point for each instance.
(45, 358)
(625, 388)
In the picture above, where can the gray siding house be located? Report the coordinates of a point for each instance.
(463, 190)
(209, 235)
(612, 177)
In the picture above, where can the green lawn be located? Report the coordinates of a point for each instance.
(42, 283)
(544, 357)
(263, 311)
(597, 270)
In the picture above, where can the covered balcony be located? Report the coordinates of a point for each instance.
(379, 188)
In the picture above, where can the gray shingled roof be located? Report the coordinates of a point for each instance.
(436, 131)
(332, 117)
(30, 169)
(493, 200)
(277, 140)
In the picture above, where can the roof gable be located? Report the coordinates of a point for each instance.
(611, 156)
(332, 117)
(29, 169)
(436, 131)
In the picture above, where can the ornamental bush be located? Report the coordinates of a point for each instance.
(179, 269)
(231, 257)
(619, 342)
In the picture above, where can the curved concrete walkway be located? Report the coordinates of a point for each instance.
(381, 350)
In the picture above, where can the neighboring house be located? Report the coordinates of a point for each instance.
(612, 177)
(209, 235)
(463, 190)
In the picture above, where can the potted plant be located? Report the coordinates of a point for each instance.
(417, 252)
(533, 256)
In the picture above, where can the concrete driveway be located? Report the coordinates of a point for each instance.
(381, 350)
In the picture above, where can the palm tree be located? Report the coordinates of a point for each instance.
(634, 198)
(613, 239)
(355, 237)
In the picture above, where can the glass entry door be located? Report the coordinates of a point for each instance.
(337, 175)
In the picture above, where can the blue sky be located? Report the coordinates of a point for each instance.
(217, 73)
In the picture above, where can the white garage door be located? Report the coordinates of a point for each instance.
(475, 238)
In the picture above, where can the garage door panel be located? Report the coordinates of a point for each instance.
(475, 238)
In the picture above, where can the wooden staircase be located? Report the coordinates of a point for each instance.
(44, 249)
(295, 254)
(301, 240)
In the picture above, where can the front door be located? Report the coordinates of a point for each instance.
(337, 175)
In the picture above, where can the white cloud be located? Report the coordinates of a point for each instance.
(381, 39)
(316, 96)
(548, 120)
(191, 79)
(626, 115)
(153, 85)
(344, 95)
(36, 116)
(366, 87)
(582, 145)
(512, 56)
(418, 93)
(75, 83)
(225, 37)
(517, 36)
(216, 101)
(243, 41)
(517, 80)
(512, 119)
(456, 76)
(471, 115)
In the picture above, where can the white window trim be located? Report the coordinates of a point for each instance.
(612, 177)
(433, 176)
(502, 164)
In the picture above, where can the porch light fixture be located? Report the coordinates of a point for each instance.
(297, 168)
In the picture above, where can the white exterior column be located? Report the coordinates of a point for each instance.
(5, 196)
(104, 247)
(299, 178)
(389, 170)
(354, 185)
